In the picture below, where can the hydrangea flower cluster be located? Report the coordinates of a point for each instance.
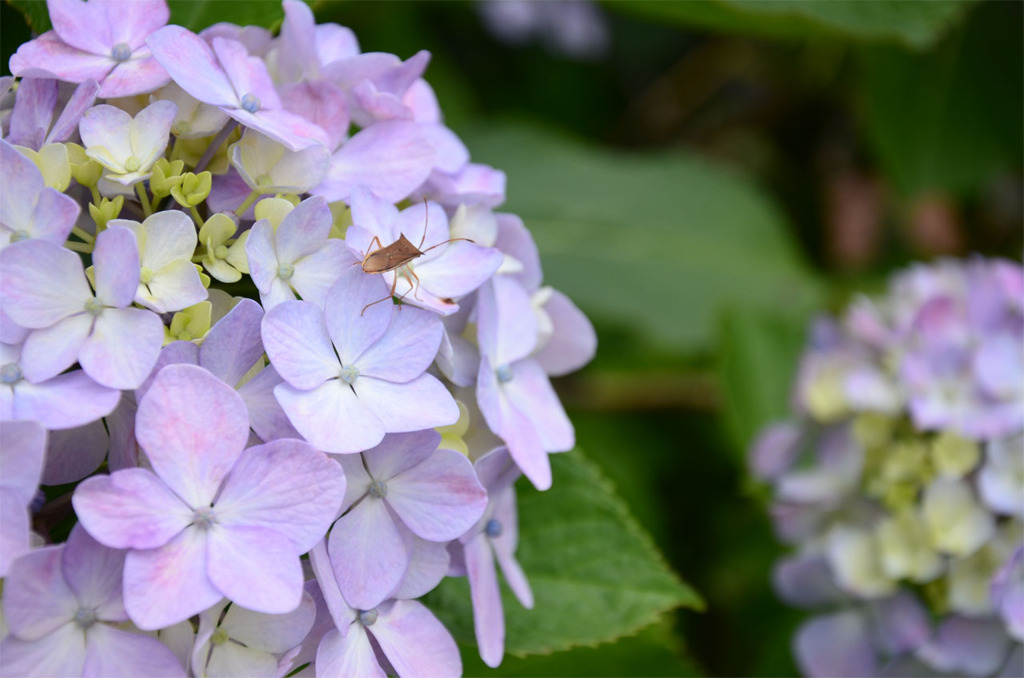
(259, 314)
(900, 480)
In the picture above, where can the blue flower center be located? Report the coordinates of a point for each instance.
(203, 518)
(504, 373)
(250, 102)
(85, 617)
(10, 373)
(378, 489)
(493, 528)
(121, 52)
(368, 617)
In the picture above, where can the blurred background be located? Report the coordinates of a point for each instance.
(701, 178)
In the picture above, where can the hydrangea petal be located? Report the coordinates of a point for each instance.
(304, 230)
(421, 403)
(531, 393)
(61, 653)
(352, 325)
(33, 112)
(192, 65)
(37, 599)
(193, 459)
(331, 417)
(123, 347)
(440, 498)
(41, 283)
(130, 508)
(398, 452)
(232, 346)
(133, 77)
(113, 652)
(368, 554)
(415, 642)
(348, 655)
(66, 401)
(573, 342)
(50, 57)
(317, 273)
(406, 350)
(93, 572)
(835, 645)
(287, 486)
(295, 337)
(488, 614)
(169, 584)
(255, 567)
(48, 352)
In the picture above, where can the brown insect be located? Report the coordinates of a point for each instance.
(394, 256)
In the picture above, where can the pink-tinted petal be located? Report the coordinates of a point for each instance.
(247, 74)
(73, 454)
(440, 498)
(348, 655)
(285, 485)
(192, 65)
(415, 642)
(297, 44)
(286, 128)
(66, 401)
(373, 216)
(41, 283)
(61, 653)
(48, 352)
(324, 105)
(193, 427)
(113, 652)
(255, 567)
(50, 57)
(123, 347)
(167, 585)
(295, 337)
(391, 159)
(368, 554)
(406, 350)
(130, 508)
(352, 324)
(421, 403)
(331, 417)
(85, 26)
(37, 599)
(452, 154)
(133, 77)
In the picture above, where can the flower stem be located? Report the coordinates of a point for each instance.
(147, 207)
(214, 145)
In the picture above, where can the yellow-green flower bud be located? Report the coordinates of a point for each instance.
(953, 456)
(341, 219)
(107, 209)
(191, 324)
(452, 435)
(194, 189)
(84, 169)
(52, 161)
(166, 177)
(273, 209)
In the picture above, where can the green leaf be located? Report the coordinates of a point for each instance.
(596, 575)
(35, 13)
(658, 241)
(651, 652)
(196, 15)
(949, 120)
(757, 365)
(912, 22)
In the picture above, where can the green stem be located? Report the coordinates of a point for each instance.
(147, 207)
(79, 246)
(96, 197)
(247, 202)
(83, 234)
(196, 216)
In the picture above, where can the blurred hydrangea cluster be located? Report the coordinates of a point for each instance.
(900, 479)
(262, 326)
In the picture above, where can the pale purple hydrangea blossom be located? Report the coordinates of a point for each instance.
(901, 482)
(216, 444)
